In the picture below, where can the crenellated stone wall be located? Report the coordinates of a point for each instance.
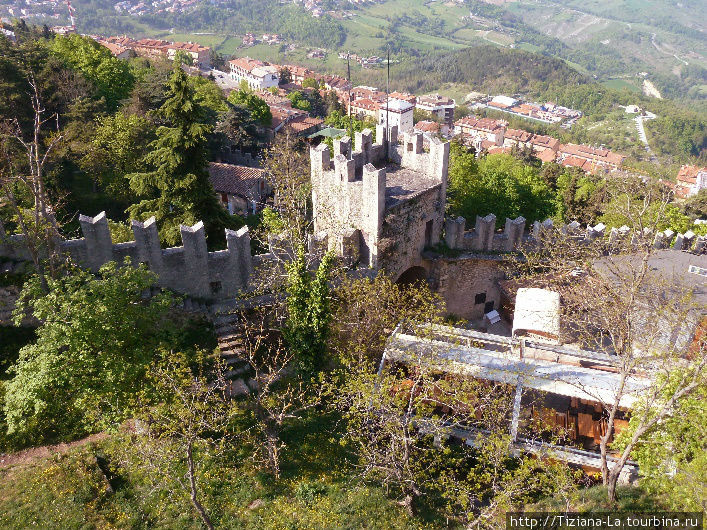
(484, 237)
(190, 269)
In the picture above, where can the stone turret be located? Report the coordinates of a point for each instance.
(365, 195)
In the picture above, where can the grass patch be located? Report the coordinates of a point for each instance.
(316, 491)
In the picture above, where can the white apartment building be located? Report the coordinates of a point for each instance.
(398, 112)
(257, 74)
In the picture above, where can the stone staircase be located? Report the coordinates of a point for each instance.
(229, 332)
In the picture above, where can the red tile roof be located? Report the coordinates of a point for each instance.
(304, 123)
(587, 152)
(518, 135)
(235, 180)
(545, 142)
(427, 126)
(483, 124)
(246, 63)
(547, 155)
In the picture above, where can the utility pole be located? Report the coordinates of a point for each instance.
(387, 103)
(348, 110)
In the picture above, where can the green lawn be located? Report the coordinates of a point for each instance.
(620, 84)
(316, 491)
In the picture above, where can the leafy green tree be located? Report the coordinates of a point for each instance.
(310, 82)
(285, 75)
(498, 184)
(258, 107)
(111, 76)
(299, 101)
(306, 330)
(188, 419)
(182, 57)
(117, 148)
(672, 456)
(238, 128)
(210, 96)
(97, 339)
(178, 190)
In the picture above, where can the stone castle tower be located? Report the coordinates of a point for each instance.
(381, 204)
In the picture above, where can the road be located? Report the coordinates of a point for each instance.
(641, 130)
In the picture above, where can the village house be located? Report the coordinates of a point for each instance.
(258, 74)
(364, 107)
(484, 128)
(439, 106)
(590, 159)
(201, 55)
(242, 190)
(118, 51)
(367, 92)
(403, 96)
(537, 142)
(690, 180)
(156, 48)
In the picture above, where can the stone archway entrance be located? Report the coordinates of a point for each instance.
(412, 275)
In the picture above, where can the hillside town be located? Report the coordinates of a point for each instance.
(485, 135)
(240, 292)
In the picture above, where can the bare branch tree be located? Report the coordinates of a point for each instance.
(614, 299)
(22, 170)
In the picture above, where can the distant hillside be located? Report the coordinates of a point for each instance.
(488, 68)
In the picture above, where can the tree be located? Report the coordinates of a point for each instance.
(187, 418)
(238, 128)
(299, 101)
(258, 107)
(111, 76)
(615, 299)
(366, 309)
(498, 184)
(182, 57)
(397, 422)
(671, 454)
(279, 396)
(285, 76)
(287, 169)
(22, 172)
(97, 339)
(178, 191)
(306, 329)
(310, 82)
(118, 147)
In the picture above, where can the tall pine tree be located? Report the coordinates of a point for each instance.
(178, 190)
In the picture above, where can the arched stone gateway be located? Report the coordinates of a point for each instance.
(412, 275)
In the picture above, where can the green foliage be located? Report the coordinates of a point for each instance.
(672, 457)
(338, 119)
(258, 107)
(299, 101)
(117, 148)
(306, 330)
(310, 82)
(210, 96)
(111, 76)
(272, 223)
(182, 57)
(498, 184)
(66, 490)
(629, 210)
(97, 338)
(120, 232)
(178, 191)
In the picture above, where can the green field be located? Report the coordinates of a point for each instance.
(621, 84)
